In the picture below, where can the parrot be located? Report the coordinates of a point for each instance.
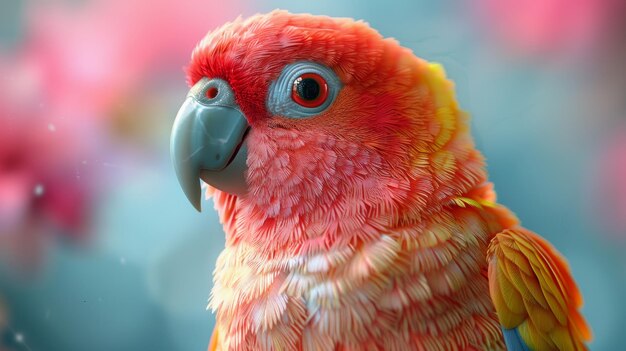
(357, 211)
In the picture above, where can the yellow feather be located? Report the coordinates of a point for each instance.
(517, 258)
(512, 297)
(561, 336)
(533, 338)
(533, 286)
(542, 319)
(507, 318)
(515, 276)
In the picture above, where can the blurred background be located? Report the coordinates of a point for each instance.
(99, 249)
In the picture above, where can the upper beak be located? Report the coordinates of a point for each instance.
(208, 141)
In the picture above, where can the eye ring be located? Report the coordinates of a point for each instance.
(287, 96)
(309, 90)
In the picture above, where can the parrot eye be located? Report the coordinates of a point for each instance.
(309, 90)
(303, 89)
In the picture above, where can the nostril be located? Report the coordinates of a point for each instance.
(211, 93)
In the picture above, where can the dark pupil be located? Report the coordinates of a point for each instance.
(308, 89)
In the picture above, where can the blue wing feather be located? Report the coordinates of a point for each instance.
(513, 341)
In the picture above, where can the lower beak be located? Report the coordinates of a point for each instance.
(208, 143)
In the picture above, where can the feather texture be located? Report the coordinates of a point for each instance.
(381, 295)
(534, 293)
(367, 226)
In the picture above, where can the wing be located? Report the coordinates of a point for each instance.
(534, 294)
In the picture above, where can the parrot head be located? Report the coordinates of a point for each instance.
(297, 114)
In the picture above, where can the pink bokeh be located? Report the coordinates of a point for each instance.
(60, 91)
(547, 27)
(90, 56)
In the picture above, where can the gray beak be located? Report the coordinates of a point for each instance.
(208, 141)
